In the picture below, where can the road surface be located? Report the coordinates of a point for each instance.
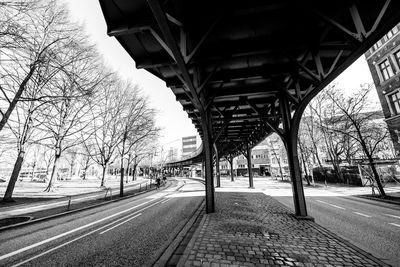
(131, 232)
(371, 225)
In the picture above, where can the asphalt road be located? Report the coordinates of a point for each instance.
(371, 225)
(131, 232)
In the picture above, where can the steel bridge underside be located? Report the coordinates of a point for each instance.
(245, 69)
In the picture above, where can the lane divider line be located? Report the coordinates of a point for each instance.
(394, 216)
(162, 202)
(18, 251)
(362, 214)
(121, 223)
(82, 236)
(331, 205)
(395, 224)
(57, 247)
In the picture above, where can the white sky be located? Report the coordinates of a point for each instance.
(171, 117)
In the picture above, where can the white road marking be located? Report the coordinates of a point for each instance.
(362, 214)
(162, 202)
(395, 224)
(76, 239)
(5, 256)
(394, 216)
(131, 218)
(331, 205)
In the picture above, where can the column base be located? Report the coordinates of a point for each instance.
(305, 218)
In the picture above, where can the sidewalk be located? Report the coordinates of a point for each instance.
(252, 229)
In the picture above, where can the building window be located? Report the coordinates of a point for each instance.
(395, 102)
(397, 57)
(378, 44)
(386, 70)
(395, 30)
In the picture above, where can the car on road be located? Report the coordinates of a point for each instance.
(40, 178)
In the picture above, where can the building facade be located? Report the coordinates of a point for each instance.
(172, 154)
(383, 60)
(189, 145)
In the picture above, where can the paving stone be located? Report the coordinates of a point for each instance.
(252, 229)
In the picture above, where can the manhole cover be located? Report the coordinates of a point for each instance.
(14, 220)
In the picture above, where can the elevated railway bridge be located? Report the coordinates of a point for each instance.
(245, 69)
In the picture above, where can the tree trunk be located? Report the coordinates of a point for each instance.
(128, 168)
(231, 165)
(33, 170)
(121, 182)
(134, 172)
(303, 161)
(53, 172)
(14, 176)
(280, 167)
(103, 175)
(305, 169)
(376, 176)
(16, 98)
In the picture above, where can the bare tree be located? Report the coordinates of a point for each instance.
(365, 129)
(140, 151)
(136, 122)
(85, 162)
(326, 112)
(23, 129)
(230, 158)
(64, 119)
(104, 135)
(24, 123)
(40, 33)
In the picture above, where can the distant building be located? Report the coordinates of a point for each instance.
(384, 63)
(260, 160)
(172, 154)
(189, 145)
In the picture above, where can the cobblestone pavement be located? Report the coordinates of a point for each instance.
(252, 229)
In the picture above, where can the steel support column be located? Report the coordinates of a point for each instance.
(249, 166)
(208, 158)
(231, 165)
(290, 141)
(217, 173)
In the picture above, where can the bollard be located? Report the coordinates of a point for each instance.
(69, 203)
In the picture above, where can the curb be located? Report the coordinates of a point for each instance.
(71, 211)
(379, 199)
(190, 245)
(173, 246)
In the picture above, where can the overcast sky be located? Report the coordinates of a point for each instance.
(171, 117)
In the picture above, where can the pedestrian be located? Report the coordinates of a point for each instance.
(158, 182)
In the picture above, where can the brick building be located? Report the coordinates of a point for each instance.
(384, 63)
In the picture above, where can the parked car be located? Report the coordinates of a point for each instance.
(40, 178)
